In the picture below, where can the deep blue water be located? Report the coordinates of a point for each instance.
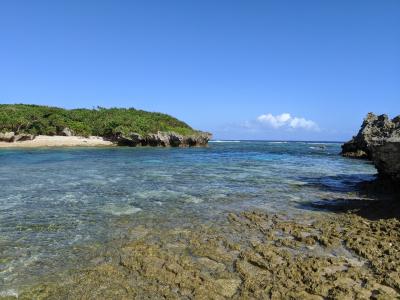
(54, 201)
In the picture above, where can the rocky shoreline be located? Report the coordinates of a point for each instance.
(159, 139)
(254, 255)
(162, 139)
(350, 251)
(379, 141)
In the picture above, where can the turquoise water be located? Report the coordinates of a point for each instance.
(54, 202)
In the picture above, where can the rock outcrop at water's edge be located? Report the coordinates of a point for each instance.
(12, 137)
(163, 139)
(379, 141)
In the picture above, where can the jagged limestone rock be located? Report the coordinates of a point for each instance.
(379, 141)
(23, 137)
(163, 139)
(67, 132)
(7, 136)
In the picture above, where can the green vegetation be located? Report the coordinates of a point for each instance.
(45, 120)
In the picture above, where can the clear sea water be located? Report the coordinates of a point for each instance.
(56, 202)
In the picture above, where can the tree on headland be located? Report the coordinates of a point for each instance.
(46, 120)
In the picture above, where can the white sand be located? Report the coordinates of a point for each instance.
(58, 141)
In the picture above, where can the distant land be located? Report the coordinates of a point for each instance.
(21, 124)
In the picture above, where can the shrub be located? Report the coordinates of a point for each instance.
(45, 120)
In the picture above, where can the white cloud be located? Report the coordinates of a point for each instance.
(274, 121)
(285, 120)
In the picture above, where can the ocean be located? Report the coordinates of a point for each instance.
(57, 206)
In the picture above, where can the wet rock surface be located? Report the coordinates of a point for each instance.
(386, 158)
(254, 255)
(379, 141)
(163, 139)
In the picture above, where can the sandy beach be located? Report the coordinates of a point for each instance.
(58, 141)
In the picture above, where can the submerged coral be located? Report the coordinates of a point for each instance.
(254, 255)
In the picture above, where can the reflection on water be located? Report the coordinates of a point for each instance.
(56, 204)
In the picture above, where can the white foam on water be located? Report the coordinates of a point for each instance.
(114, 180)
(77, 238)
(120, 210)
(9, 293)
(219, 141)
(163, 195)
(7, 205)
(193, 199)
(295, 182)
(315, 143)
(218, 196)
(293, 198)
(69, 197)
(331, 143)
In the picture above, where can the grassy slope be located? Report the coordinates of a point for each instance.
(47, 120)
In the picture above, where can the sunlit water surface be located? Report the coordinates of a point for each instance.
(54, 202)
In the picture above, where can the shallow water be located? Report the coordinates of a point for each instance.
(55, 204)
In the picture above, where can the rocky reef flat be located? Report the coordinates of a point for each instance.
(254, 255)
(335, 243)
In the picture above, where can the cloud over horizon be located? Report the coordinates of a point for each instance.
(287, 121)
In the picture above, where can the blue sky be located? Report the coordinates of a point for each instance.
(240, 69)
